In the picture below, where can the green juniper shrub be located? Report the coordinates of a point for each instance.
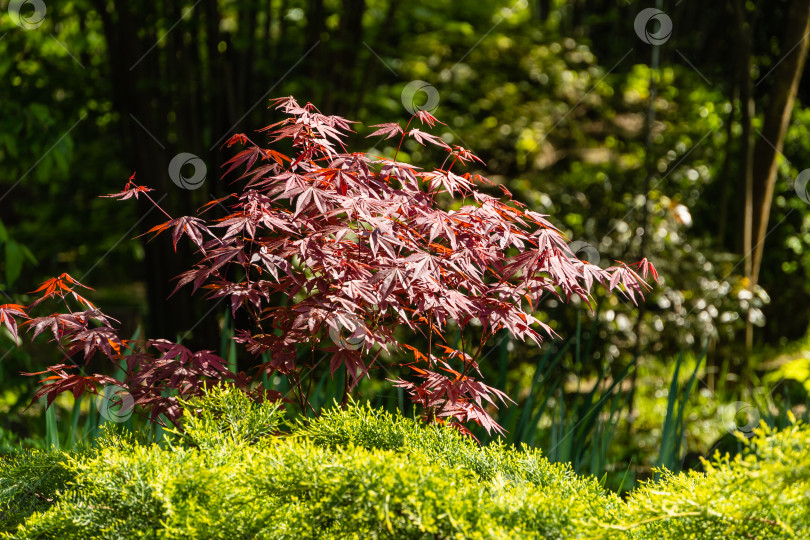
(29, 481)
(762, 493)
(363, 473)
(226, 418)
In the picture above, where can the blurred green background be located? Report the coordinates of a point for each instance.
(676, 135)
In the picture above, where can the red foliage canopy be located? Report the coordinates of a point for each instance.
(359, 245)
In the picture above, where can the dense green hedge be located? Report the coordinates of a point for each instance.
(362, 474)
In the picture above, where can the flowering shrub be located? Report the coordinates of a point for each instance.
(360, 246)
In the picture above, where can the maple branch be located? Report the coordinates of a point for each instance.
(430, 335)
(461, 337)
(402, 138)
(147, 417)
(344, 401)
(157, 205)
(309, 385)
(482, 343)
(293, 377)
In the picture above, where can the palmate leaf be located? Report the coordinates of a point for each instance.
(8, 312)
(103, 339)
(130, 190)
(466, 156)
(189, 226)
(389, 130)
(245, 157)
(426, 118)
(421, 137)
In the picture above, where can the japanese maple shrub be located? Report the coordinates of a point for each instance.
(361, 246)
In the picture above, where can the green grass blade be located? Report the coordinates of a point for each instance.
(528, 422)
(51, 428)
(667, 432)
(72, 436)
(679, 429)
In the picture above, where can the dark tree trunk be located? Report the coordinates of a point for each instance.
(727, 169)
(348, 40)
(786, 77)
(744, 35)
